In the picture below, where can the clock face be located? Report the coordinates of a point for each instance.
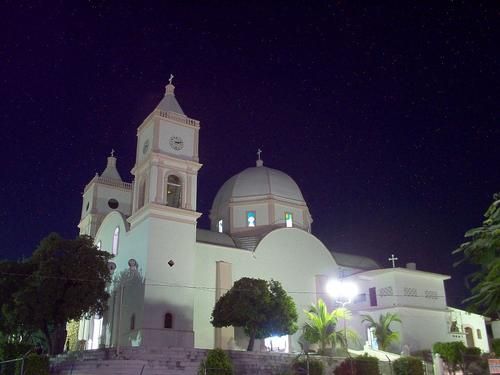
(176, 143)
(145, 147)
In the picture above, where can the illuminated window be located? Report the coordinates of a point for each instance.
(221, 228)
(116, 236)
(288, 219)
(251, 220)
(173, 191)
(168, 321)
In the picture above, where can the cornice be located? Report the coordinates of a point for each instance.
(153, 210)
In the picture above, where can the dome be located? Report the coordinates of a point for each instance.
(267, 192)
(259, 181)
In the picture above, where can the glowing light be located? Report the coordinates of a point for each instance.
(221, 228)
(342, 291)
(288, 219)
(251, 219)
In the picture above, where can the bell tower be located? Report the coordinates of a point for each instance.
(164, 212)
(166, 164)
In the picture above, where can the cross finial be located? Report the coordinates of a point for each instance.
(259, 151)
(113, 152)
(170, 79)
(393, 260)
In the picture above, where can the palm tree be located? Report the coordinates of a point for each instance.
(385, 336)
(320, 327)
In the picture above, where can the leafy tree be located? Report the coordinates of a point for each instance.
(261, 307)
(451, 353)
(63, 280)
(483, 250)
(321, 325)
(383, 332)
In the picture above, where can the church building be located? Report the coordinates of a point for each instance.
(168, 274)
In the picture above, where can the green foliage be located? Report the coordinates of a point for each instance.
(12, 350)
(63, 280)
(385, 336)
(34, 364)
(483, 250)
(216, 363)
(495, 346)
(408, 366)
(261, 307)
(316, 367)
(320, 327)
(451, 353)
(72, 335)
(361, 365)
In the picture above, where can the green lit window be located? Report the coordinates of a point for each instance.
(288, 219)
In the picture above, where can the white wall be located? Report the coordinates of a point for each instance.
(290, 256)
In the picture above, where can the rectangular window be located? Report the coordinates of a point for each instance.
(221, 228)
(479, 335)
(288, 219)
(373, 296)
(251, 219)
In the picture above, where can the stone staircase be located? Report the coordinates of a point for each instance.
(131, 361)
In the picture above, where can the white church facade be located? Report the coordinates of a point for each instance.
(168, 273)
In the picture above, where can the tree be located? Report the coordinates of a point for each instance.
(261, 307)
(385, 336)
(320, 327)
(64, 280)
(451, 353)
(483, 251)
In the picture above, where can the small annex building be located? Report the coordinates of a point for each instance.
(168, 273)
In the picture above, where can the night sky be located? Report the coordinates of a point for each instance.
(387, 116)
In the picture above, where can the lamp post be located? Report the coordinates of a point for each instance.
(342, 292)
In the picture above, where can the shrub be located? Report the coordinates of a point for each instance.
(362, 365)
(495, 346)
(316, 367)
(408, 366)
(10, 350)
(216, 363)
(34, 364)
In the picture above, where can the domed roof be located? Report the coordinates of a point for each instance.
(258, 181)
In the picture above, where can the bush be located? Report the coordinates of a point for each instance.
(408, 366)
(9, 350)
(216, 363)
(34, 364)
(495, 346)
(362, 365)
(316, 367)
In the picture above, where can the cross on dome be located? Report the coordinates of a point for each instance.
(112, 152)
(170, 79)
(393, 260)
(260, 162)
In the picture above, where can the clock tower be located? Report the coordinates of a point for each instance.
(164, 212)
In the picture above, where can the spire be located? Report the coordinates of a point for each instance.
(111, 172)
(259, 162)
(169, 102)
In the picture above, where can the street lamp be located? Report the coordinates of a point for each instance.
(342, 292)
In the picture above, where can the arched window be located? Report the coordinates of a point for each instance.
(173, 191)
(116, 237)
(142, 194)
(168, 323)
(132, 322)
